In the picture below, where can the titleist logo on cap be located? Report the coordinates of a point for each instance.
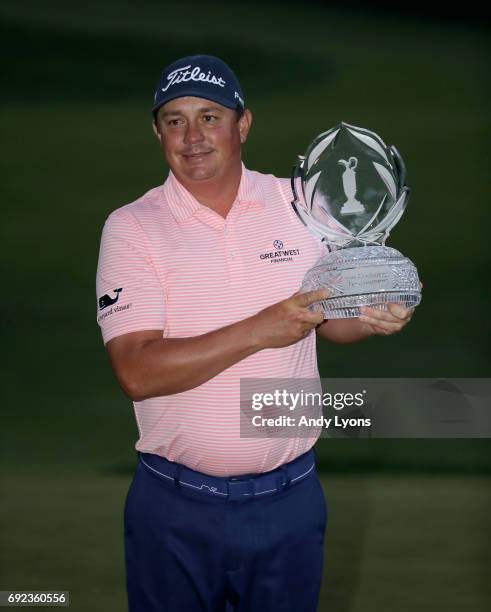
(181, 75)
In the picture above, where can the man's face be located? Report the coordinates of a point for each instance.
(200, 139)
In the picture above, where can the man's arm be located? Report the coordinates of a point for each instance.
(147, 365)
(371, 322)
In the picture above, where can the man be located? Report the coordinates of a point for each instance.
(194, 296)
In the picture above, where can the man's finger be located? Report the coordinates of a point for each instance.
(393, 325)
(395, 313)
(309, 297)
(382, 331)
(315, 318)
(400, 312)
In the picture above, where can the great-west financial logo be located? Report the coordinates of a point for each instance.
(279, 253)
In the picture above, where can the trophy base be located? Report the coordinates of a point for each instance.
(372, 276)
(349, 306)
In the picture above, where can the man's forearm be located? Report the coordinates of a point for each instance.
(172, 365)
(147, 365)
(344, 331)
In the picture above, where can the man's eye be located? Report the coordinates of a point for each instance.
(174, 122)
(209, 118)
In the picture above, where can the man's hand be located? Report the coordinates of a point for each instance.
(385, 322)
(288, 321)
(371, 322)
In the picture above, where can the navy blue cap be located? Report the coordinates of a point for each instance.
(202, 76)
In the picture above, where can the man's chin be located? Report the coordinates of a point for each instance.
(199, 174)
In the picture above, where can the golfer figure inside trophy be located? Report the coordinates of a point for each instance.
(354, 192)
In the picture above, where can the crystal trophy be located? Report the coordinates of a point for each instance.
(354, 192)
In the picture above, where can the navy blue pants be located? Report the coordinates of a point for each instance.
(246, 544)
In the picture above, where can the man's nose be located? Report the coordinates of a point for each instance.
(193, 133)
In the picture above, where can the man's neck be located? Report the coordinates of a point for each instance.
(218, 194)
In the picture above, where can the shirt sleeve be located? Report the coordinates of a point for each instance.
(130, 296)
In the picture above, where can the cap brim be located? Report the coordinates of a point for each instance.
(198, 94)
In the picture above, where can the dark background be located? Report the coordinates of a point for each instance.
(408, 518)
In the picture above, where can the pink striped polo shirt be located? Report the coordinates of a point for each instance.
(169, 263)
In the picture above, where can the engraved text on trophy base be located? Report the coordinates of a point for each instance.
(364, 280)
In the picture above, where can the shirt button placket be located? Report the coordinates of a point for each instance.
(233, 262)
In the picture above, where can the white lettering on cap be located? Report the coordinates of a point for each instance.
(181, 75)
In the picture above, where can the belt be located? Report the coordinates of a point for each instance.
(232, 487)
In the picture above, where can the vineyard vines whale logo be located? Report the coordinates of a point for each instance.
(106, 300)
(181, 75)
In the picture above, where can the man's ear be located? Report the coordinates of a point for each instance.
(156, 131)
(245, 123)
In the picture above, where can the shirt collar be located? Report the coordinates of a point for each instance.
(184, 205)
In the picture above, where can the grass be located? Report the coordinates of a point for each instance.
(393, 542)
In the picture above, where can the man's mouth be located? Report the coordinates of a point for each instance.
(194, 154)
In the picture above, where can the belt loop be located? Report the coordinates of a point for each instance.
(253, 485)
(286, 479)
(177, 475)
(232, 491)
